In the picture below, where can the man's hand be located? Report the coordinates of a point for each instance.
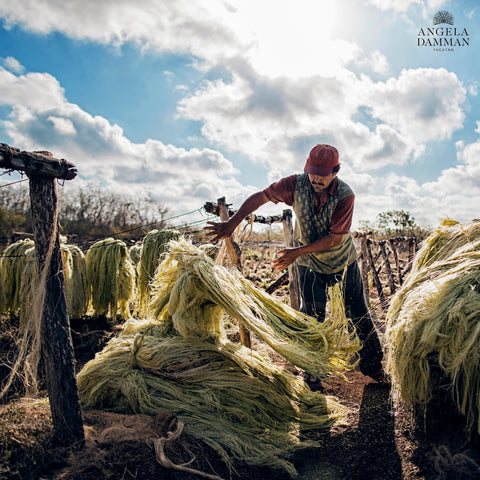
(218, 230)
(285, 258)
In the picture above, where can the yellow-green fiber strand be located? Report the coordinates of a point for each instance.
(13, 263)
(76, 284)
(154, 246)
(229, 396)
(135, 252)
(232, 398)
(191, 293)
(436, 315)
(111, 278)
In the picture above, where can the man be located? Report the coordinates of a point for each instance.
(323, 206)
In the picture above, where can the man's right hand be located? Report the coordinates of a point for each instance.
(218, 230)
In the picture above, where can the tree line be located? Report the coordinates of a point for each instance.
(89, 210)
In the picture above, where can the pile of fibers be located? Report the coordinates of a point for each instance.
(111, 278)
(75, 282)
(13, 264)
(232, 398)
(436, 315)
(154, 246)
(191, 293)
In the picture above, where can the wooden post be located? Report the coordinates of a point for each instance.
(391, 282)
(397, 261)
(56, 341)
(294, 282)
(364, 267)
(375, 273)
(234, 253)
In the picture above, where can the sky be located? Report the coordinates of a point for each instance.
(187, 101)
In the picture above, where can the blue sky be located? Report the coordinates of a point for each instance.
(188, 101)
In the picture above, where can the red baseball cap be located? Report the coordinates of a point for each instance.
(322, 159)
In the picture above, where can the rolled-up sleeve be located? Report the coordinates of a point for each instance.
(342, 216)
(282, 191)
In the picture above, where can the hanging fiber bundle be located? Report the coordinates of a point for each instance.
(75, 276)
(111, 278)
(153, 248)
(135, 253)
(436, 316)
(232, 398)
(75, 282)
(13, 263)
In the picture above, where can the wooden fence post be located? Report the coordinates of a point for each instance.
(235, 256)
(294, 282)
(364, 267)
(391, 282)
(397, 261)
(376, 279)
(56, 341)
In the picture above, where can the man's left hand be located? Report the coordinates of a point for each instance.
(285, 258)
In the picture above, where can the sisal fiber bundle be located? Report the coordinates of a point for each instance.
(75, 282)
(135, 252)
(111, 278)
(232, 398)
(436, 316)
(75, 276)
(191, 293)
(153, 248)
(13, 263)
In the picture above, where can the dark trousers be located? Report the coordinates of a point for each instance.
(313, 291)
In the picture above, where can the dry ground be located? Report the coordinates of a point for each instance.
(381, 440)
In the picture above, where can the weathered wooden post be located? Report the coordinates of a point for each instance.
(376, 279)
(364, 266)
(56, 342)
(236, 257)
(391, 282)
(397, 261)
(294, 282)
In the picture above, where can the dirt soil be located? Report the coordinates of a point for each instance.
(380, 441)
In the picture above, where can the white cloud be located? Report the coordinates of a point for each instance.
(13, 65)
(64, 126)
(424, 104)
(185, 27)
(455, 193)
(404, 5)
(183, 179)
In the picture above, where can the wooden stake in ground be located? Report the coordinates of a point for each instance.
(235, 256)
(56, 341)
(294, 282)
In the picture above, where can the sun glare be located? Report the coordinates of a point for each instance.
(292, 37)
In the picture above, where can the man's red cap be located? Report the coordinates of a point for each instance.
(322, 159)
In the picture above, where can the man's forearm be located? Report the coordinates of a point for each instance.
(322, 244)
(252, 203)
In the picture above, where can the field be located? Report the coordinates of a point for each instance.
(381, 439)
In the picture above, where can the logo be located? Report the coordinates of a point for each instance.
(443, 36)
(443, 17)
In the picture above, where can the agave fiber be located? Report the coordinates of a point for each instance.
(75, 282)
(13, 263)
(154, 246)
(135, 253)
(233, 398)
(436, 316)
(111, 278)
